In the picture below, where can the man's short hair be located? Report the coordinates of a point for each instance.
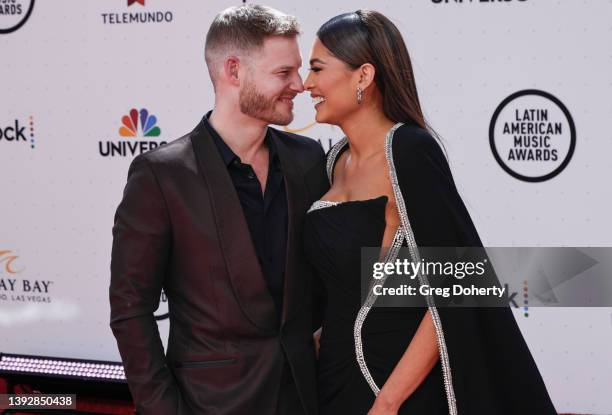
(242, 29)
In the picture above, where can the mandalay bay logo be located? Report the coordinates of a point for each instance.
(136, 123)
(14, 287)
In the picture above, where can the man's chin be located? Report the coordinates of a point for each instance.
(284, 122)
(281, 119)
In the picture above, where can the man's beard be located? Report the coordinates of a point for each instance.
(257, 105)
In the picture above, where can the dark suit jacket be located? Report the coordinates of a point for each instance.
(180, 227)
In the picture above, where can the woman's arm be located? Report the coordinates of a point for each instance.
(316, 338)
(417, 361)
(438, 218)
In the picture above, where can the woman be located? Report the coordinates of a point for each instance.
(391, 185)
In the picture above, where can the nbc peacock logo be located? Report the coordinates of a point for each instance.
(148, 124)
(136, 127)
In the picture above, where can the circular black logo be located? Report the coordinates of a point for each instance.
(14, 14)
(532, 135)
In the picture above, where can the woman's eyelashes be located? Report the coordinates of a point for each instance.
(314, 69)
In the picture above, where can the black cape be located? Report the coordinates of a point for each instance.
(491, 367)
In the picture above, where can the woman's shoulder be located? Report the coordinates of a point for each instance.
(411, 140)
(410, 135)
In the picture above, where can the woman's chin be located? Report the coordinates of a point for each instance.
(321, 117)
(324, 117)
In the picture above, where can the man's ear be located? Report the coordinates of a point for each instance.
(231, 65)
(367, 73)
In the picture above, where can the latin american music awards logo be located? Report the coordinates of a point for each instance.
(137, 123)
(14, 14)
(137, 16)
(532, 135)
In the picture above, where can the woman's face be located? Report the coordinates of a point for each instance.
(332, 84)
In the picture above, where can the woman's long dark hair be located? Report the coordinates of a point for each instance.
(367, 36)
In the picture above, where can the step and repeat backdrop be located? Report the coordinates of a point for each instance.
(519, 91)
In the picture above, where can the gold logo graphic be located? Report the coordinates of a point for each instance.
(299, 130)
(8, 259)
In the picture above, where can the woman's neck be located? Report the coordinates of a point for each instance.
(366, 131)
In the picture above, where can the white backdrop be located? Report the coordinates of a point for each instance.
(75, 68)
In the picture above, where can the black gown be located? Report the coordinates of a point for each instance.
(492, 369)
(333, 243)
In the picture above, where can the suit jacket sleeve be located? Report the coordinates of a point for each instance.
(141, 246)
(319, 183)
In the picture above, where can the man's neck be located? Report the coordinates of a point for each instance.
(243, 134)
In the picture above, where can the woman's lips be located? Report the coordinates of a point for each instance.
(318, 101)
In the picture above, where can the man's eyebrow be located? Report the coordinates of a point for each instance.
(316, 60)
(285, 68)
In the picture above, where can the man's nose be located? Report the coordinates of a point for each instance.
(297, 85)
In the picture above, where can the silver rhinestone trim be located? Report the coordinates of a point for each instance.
(322, 204)
(367, 306)
(331, 158)
(415, 256)
(399, 237)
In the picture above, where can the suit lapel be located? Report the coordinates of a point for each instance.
(296, 206)
(235, 240)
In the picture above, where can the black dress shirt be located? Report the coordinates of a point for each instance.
(265, 214)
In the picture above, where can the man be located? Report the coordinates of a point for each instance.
(214, 218)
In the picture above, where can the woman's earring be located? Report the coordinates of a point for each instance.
(359, 95)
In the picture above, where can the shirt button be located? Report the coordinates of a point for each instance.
(251, 175)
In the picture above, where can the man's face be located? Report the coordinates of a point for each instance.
(271, 81)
